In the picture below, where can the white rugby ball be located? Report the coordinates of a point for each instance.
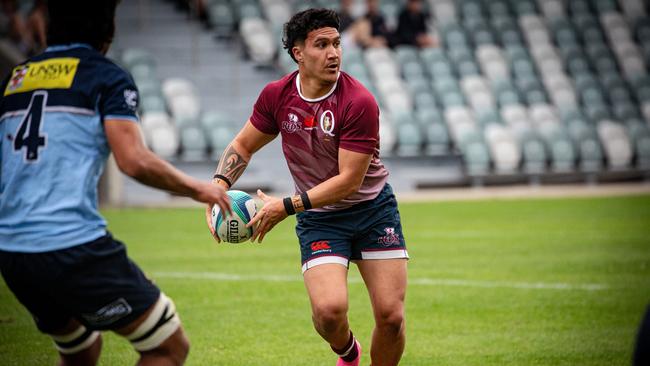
(232, 228)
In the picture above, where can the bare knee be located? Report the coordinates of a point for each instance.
(390, 321)
(329, 317)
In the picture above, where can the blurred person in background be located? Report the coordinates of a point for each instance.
(412, 26)
(27, 22)
(346, 210)
(61, 114)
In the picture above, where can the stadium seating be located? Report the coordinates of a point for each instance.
(514, 86)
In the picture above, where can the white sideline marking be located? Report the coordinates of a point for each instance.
(215, 276)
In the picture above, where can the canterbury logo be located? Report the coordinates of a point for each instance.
(320, 245)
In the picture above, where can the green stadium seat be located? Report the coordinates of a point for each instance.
(523, 68)
(572, 114)
(153, 103)
(468, 68)
(508, 97)
(437, 139)
(221, 18)
(487, 117)
(428, 116)
(136, 56)
(149, 87)
(476, 155)
(535, 96)
(584, 81)
(247, 9)
(578, 65)
(412, 69)
(625, 110)
(452, 99)
(511, 37)
(445, 84)
(605, 65)
(584, 21)
(219, 138)
(524, 7)
(604, 6)
(431, 55)
(579, 7)
(591, 154)
(592, 35)
(409, 139)
(498, 8)
(356, 69)
(418, 86)
(424, 101)
(212, 119)
(440, 69)
(642, 150)
(592, 96)
(533, 155)
(193, 144)
(563, 155)
(406, 53)
(597, 112)
(635, 126)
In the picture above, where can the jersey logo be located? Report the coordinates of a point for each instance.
(320, 246)
(390, 238)
(292, 124)
(17, 77)
(131, 98)
(56, 73)
(309, 123)
(110, 313)
(327, 122)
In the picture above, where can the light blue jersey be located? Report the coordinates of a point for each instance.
(53, 146)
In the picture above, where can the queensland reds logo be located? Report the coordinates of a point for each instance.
(390, 238)
(292, 124)
(327, 122)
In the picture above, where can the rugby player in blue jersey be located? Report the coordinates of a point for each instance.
(61, 114)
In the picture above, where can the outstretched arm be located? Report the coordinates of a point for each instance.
(137, 161)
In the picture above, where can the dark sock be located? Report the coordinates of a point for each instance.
(349, 352)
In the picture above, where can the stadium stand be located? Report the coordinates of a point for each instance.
(516, 90)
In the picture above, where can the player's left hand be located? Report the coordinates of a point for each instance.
(268, 216)
(208, 219)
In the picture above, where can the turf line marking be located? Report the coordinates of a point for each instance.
(215, 276)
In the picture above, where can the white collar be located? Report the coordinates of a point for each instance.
(320, 98)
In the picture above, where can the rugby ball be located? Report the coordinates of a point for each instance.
(232, 228)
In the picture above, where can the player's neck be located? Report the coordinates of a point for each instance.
(313, 88)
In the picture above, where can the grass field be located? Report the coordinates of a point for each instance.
(511, 282)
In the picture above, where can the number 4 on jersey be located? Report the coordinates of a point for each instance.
(28, 134)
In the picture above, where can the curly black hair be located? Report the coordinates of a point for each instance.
(297, 28)
(81, 21)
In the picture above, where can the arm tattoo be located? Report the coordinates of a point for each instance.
(232, 164)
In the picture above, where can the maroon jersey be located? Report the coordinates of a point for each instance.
(313, 130)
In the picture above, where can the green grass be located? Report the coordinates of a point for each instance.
(479, 307)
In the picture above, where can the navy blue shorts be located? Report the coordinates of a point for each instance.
(367, 230)
(94, 283)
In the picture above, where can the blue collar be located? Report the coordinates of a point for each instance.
(65, 47)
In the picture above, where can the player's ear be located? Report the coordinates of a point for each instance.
(297, 53)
